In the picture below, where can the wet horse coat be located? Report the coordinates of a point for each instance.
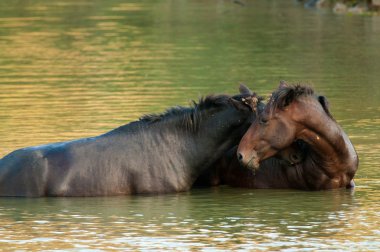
(157, 154)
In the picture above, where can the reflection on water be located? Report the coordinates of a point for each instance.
(221, 219)
(71, 69)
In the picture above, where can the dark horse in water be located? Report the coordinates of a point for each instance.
(296, 116)
(157, 154)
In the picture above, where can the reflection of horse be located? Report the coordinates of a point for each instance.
(292, 114)
(157, 154)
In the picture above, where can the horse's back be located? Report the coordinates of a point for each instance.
(117, 163)
(87, 167)
(41, 170)
(23, 173)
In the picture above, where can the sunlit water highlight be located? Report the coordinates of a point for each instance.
(71, 69)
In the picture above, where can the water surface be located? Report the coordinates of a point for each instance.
(71, 69)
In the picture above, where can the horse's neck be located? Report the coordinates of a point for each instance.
(194, 149)
(330, 146)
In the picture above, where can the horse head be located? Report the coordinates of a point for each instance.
(279, 124)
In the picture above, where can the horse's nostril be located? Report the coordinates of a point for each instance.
(240, 157)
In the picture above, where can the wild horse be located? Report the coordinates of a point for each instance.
(294, 115)
(157, 154)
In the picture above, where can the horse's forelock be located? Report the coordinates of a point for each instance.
(285, 95)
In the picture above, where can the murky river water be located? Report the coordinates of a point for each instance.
(71, 69)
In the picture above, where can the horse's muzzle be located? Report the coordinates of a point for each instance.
(250, 160)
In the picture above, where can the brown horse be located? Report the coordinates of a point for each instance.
(294, 114)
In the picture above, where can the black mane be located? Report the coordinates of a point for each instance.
(191, 116)
(285, 95)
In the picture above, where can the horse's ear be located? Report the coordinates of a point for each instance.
(244, 90)
(283, 84)
(239, 105)
(325, 104)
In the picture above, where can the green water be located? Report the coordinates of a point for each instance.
(71, 69)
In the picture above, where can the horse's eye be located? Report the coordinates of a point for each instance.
(263, 120)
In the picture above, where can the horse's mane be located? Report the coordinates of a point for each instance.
(190, 117)
(285, 95)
